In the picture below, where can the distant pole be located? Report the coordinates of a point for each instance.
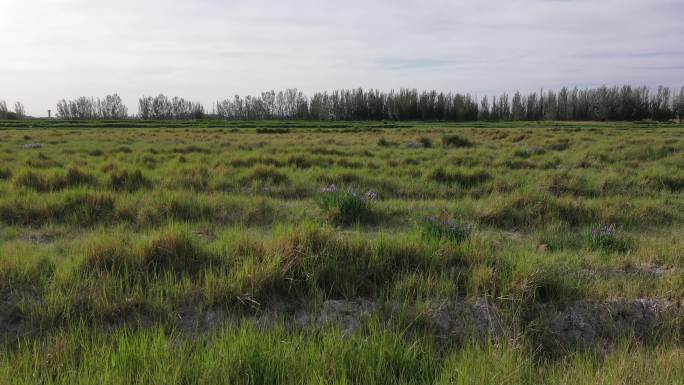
(49, 114)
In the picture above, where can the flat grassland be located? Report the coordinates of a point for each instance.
(365, 253)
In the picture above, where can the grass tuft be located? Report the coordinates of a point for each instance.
(127, 180)
(454, 140)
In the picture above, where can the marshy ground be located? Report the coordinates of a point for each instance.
(306, 252)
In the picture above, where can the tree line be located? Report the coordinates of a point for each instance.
(626, 103)
(19, 111)
(161, 107)
(604, 104)
(111, 107)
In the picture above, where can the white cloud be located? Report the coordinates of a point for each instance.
(210, 49)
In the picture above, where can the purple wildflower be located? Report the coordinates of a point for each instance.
(371, 195)
(446, 228)
(603, 231)
(329, 189)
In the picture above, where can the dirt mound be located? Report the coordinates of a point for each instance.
(11, 319)
(582, 324)
(586, 324)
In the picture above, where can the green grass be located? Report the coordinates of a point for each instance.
(119, 239)
(246, 355)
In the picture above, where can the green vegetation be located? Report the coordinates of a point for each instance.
(341, 252)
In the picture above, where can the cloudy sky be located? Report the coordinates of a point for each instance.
(207, 50)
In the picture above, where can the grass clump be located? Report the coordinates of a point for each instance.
(608, 239)
(570, 184)
(273, 130)
(673, 182)
(531, 210)
(528, 152)
(425, 142)
(193, 178)
(33, 180)
(190, 150)
(454, 140)
(80, 207)
(17, 274)
(465, 179)
(171, 249)
(266, 174)
(347, 207)
(127, 180)
(382, 142)
(560, 145)
(54, 181)
(5, 173)
(316, 261)
(86, 207)
(445, 228)
(300, 161)
(110, 254)
(95, 152)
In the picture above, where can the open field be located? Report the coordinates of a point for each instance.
(334, 252)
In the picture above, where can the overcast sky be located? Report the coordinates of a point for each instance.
(207, 50)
